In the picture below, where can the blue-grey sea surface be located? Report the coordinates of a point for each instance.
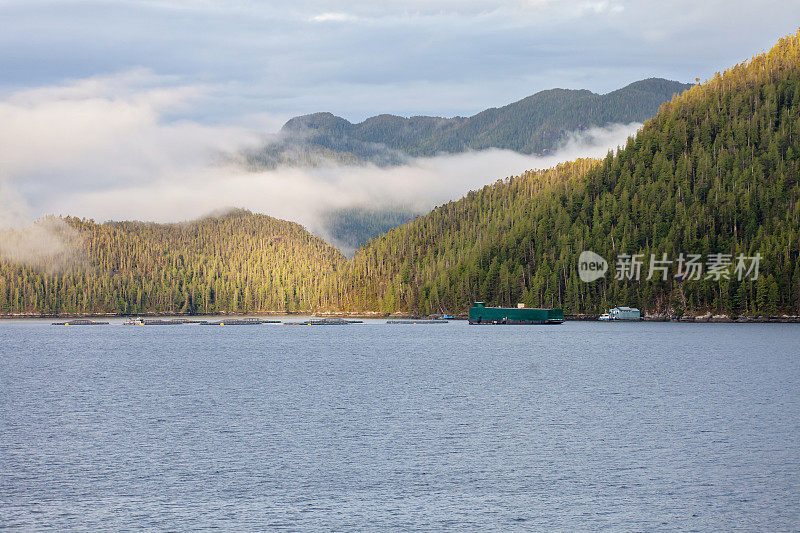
(577, 427)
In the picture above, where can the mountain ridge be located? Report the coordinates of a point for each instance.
(535, 124)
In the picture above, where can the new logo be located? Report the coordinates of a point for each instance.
(591, 266)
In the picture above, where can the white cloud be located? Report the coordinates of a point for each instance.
(302, 194)
(334, 17)
(100, 131)
(76, 150)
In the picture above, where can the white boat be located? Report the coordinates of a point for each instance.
(605, 317)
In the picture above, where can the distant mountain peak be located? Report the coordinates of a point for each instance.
(315, 122)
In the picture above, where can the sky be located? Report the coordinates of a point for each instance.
(262, 62)
(125, 108)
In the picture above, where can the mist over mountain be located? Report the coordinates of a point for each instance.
(534, 125)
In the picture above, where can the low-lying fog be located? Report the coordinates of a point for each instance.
(108, 148)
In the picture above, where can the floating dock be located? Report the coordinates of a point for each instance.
(324, 322)
(520, 315)
(240, 322)
(420, 321)
(180, 321)
(155, 322)
(80, 322)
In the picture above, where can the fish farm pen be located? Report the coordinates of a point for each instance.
(80, 322)
(240, 322)
(324, 322)
(412, 321)
(181, 321)
(156, 322)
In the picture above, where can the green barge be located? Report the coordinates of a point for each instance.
(480, 314)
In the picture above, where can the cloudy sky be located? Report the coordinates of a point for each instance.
(258, 60)
(120, 109)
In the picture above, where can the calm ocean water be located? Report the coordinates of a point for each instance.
(582, 426)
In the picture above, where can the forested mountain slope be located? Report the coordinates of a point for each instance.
(535, 124)
(234, 263)
(715, 171)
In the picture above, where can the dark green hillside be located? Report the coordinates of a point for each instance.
(535, 124)
(235, 263)
(715, 171)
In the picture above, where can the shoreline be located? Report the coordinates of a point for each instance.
(699, 319)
